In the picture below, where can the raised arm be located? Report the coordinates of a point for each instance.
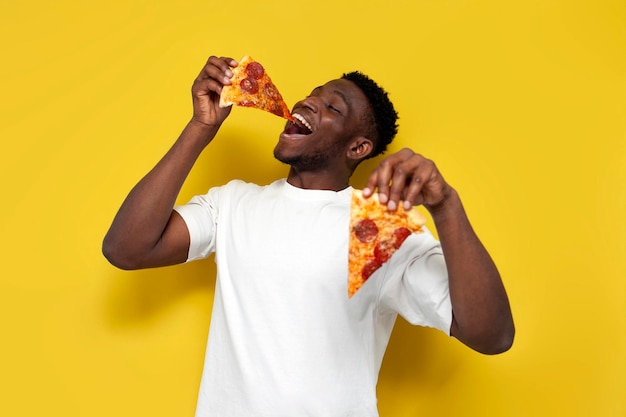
(482, 316)
(147, 232)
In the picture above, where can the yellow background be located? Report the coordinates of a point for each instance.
(522, 104)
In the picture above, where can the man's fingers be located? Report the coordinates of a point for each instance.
(204, 87)
(403, 174)
(383, 178)
(379, 180)
(431, 189)
(370, 186)
(214, 75)
(390, 169)
(218, 69)
(412, 192)
(408, 179)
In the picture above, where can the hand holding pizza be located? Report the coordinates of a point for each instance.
(409, 178)
(207, 88)
(376, 231)
(482, 316)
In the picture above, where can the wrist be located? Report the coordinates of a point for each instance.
(200, 132)
(449, 206)
(198, 123)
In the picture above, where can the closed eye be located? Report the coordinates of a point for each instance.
(336, 110)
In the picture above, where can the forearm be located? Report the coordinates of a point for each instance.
(482, 315)
(144, 215)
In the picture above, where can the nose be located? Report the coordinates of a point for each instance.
(312, 103)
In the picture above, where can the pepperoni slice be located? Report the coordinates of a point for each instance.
(249, 85)
(370, 267)
(384, 249)
(277, 109)
(255, 70)
(271, 91)
(366, 230)
(400, 235)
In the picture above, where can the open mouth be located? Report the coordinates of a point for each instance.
(299, 126)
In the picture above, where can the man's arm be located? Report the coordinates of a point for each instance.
(482, 316)
(146, 231)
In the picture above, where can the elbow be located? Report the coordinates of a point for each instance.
(508, 339)
(117, 256)
(500, 343)
(491, 340)
(503, 344)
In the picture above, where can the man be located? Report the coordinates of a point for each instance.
(285, 339)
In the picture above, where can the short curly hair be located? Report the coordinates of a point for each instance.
(385, 117)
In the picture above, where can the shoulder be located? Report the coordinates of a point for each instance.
(236, 192)
(238, 188)
(235, 186)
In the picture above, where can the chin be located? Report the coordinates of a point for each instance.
(280, 155)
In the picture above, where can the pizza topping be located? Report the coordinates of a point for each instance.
(366, 230)
(255, 70)
(249, 85)
(384, 249)
(271, 91)
(370, 267)
(277, 109)
(400, 235)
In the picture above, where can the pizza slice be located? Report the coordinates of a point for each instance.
(375, 234)
(252, 87)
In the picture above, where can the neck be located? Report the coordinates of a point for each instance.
(318, 180)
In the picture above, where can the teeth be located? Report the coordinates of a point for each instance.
(302, 120)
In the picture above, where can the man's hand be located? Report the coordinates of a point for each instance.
(207, 88)
(409, 178)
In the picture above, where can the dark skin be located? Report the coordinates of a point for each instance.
(326, 158)
(323, 159)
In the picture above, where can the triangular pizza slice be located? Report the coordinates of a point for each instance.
(252, 87)
(375, 234)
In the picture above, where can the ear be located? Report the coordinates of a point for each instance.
(360, 148)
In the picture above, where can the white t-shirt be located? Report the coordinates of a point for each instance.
(285, 339)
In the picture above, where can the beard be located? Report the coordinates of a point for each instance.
(313, 160)
(304, 162)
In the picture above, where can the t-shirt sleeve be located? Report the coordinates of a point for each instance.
(200, 216)
(415, 283)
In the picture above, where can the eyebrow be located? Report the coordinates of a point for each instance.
(342, 95)
(339, 93)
